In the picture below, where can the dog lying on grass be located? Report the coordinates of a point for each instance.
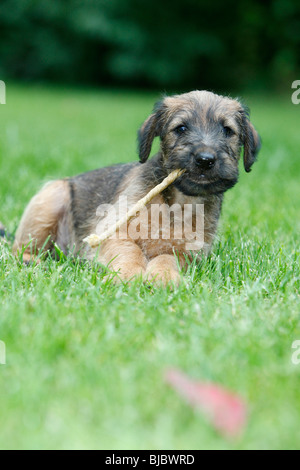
(201, 133)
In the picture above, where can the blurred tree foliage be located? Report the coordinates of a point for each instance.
(156, 43)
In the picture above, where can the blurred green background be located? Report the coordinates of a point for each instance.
(167, 44)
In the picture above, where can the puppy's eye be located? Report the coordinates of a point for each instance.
(180, 129)
(228, 131)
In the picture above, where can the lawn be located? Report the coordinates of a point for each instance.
(85, 359)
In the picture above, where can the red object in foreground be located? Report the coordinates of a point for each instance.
(226, 411)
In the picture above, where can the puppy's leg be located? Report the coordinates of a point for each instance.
(163, 269)
(124, 257)
(41, 219)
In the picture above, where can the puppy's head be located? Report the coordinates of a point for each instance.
(202, 133)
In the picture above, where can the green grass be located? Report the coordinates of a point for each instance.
(85, 359)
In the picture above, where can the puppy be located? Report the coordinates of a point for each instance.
(200, 132)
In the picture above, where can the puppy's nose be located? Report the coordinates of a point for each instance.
(205, 160)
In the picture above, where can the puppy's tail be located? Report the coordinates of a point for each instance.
(3, 232)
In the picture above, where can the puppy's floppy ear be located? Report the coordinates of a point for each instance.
(251, 142)
(149, 130)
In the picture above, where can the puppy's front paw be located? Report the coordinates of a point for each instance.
(29, 259)
(164, 278)
(129, 274)
(163, 270)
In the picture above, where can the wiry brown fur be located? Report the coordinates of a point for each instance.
(189, 126)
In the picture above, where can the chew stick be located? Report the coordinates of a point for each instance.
(95, 240)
